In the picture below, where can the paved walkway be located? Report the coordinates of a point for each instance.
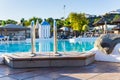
(95, 71)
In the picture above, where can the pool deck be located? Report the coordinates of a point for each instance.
(48, 60)
(95, 71)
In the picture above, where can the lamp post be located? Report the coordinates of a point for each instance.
(64, 10)
(33, 39)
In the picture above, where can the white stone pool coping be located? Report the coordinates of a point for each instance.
(113, 57)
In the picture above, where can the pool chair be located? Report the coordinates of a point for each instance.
(1, 38)
(6, 38)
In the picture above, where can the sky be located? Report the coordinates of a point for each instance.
(17, 9)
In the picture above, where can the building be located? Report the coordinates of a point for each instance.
(115, 12)
(15, 32)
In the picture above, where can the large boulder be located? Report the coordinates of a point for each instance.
(107, 42)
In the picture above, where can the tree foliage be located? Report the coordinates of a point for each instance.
(77, 21)
(3, 23)
(67, 23)
(10, 21)
(35, 19)
(116, 17)
(26, 23)
(60, 23)
(50, 21)
(0, 22)
(22, 22)
(85, 28)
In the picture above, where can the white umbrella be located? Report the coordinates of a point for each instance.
(64, 28)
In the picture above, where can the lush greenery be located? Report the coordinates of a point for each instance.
(116, 17)
(93, 20)
(77, 21)
(26, 23)
(9, 21)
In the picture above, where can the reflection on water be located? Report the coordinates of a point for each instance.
(77, 47)
(46, 46)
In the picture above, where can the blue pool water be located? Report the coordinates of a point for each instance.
(46, 46)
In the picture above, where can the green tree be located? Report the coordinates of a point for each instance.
(22, 22)
(0, 22)
(85, 28)
(26, 23)
(50, 21)
(116, 17)
(67, 23)
(3, 23)
(35, 19)
(10, 21)
(60, 23)
(77, 21)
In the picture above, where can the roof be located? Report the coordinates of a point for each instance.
(64, 28)
(117, 20)
(45, 23)
(107, 17)
(100, 22)
(13, 27)
(117, 27)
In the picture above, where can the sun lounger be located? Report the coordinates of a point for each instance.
(1, 38)
(4, 38)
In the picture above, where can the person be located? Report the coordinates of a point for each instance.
(10, 37)
(105, 28)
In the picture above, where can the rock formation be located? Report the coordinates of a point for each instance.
(107, 42)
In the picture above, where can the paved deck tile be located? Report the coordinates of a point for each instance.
(95, 71)
(107, 76)
(7, 78)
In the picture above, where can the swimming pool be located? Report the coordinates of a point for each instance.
(46, 46)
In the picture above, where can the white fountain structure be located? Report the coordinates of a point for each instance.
(44, 34)
(44, 30)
